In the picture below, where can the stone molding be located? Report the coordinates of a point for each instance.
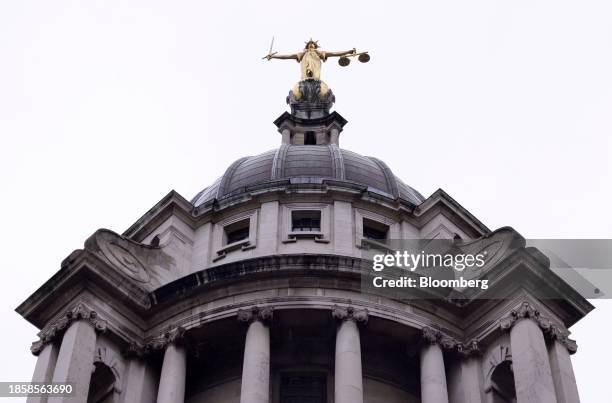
(56, 329)
(434, 336)
(264, 314)
(350, 313)
(550, 331)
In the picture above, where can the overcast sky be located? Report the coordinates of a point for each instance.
(105, 106)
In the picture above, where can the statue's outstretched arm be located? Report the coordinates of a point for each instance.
(344, 53)
(295, 56)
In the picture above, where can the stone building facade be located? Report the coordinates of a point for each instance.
(251, 292)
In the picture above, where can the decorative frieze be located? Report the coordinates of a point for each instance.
(550, 331)
(255, 313)
(350, 313)
(56, 329)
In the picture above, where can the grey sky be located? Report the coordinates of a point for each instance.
(105, 106)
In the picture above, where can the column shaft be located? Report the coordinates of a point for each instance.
(140, 385)
(348, 377)
(43, 372)
(172, 379)
(255, 386)
(433, 376)
(75, 361)
(532, 375)
(563, 373)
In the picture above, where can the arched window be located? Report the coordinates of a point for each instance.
(502, 383)
(102, 385)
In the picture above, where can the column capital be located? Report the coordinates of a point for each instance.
(525, 311)
(54, 330)
(556, 333)
(350, 313)
(135, 350)
(434, 336)
(174, 335)
(249, 315)
(469, 349)
(464, 349)
(550, 331)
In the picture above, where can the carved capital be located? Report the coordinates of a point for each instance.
(556, 333)
(525, 311)
(264, 314)
(350, 313)
(434, 336)
(136, 350)
(471, 348)
(54, 330)
(550, 331)
(175, 335)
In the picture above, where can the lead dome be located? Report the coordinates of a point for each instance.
(314, 164)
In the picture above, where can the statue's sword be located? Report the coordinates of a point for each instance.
(270, 51)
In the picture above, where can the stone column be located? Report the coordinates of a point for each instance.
(532, 375)
(559, 351)
(433, 376)
(141, 383)
(255, 387)
(465, 381)
(174, 368)
(76, 355)
(348, 378)
(45, 365)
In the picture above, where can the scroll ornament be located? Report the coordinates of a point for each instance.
(350, 313)
(435, 336)
(255, 313)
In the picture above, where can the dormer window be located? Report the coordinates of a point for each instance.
(374, 230)
(306, 221)
(236, 232)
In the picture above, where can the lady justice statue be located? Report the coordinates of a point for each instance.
(310, 63)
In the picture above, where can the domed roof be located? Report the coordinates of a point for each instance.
(308, 164)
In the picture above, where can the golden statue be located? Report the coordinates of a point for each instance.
(310, 62)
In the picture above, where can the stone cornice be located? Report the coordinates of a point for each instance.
(255, 313)
(56, 329)
(350, 313)
(550, 330)
(79, 270)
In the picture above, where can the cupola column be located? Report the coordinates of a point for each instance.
(348, 376)
(532, 375)
(76, 355)
(255, 387)
(433, 374)
(174, 368)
